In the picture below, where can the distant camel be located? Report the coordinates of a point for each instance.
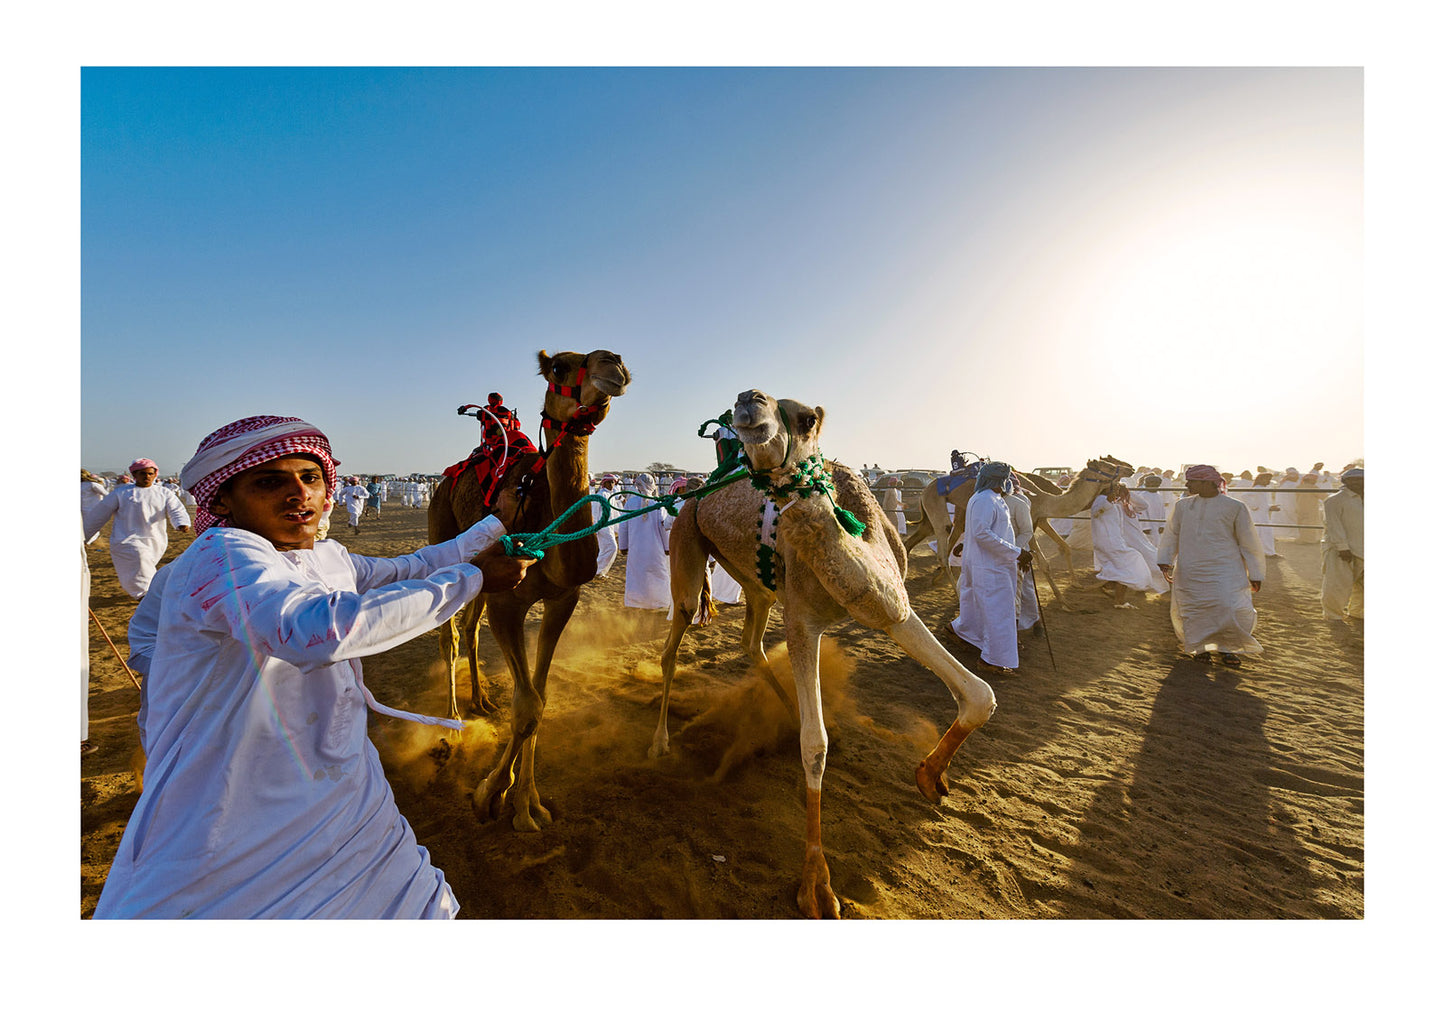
(823, 575)
(1046, 499)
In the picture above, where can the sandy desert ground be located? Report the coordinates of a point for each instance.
(1117, 780)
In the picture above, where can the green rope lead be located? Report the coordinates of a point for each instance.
(811, 476)
(534, 545)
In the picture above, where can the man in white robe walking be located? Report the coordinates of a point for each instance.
(1021, 517)
(988, 580)
(647, 584)
(263, 796)
(1342, 585)
(607, 537)
(1211, 556)
(1259, 498)
(138, 539)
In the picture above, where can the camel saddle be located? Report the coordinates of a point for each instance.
(493, 458)
(968, 473)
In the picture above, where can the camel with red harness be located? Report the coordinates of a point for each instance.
(527, 489)
(826, 560)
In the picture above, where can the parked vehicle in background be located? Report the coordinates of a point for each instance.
(912, 481)
(1055, 473)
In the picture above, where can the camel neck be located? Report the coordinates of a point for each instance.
(567, 476)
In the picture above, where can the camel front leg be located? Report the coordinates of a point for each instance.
(506, 619)
(975, 700)
(1048, 529)
(528, 814)
(815, 892)
(1041, 561)
(680, 620)
(755, 625)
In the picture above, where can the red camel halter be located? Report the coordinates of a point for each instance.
(492, 462)
(584, 420)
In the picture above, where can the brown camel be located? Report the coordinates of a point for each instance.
(579, 389)
(1047, 501)
(823, 576)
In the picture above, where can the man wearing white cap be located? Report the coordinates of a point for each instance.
(607, 537)
(1342, 586)
(263, 796)
(352, 498)
(138, 538)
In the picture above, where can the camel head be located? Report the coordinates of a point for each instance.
(776, 435)
(581, 386)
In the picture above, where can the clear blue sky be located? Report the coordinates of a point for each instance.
(1034, 265)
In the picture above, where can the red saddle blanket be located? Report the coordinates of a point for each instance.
(492, 460)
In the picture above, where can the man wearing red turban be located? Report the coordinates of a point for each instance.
(1212, 557)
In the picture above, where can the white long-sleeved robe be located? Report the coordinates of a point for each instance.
(893, 506)
(1114, 558)
(1259, 500)
(1342, 585)
(1133, 532)
(1150, 504)
(1288, 514)
(607, 537)
(647, 584)
(1020, 510)
(988, 580)
(263, 796)
(138, 539)
(91, 493)
(353, 500)
(1216, 554)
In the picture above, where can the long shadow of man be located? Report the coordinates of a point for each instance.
(1196, 821)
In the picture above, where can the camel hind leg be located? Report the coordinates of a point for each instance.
(975, 700)
(921, 531)
(688, 567)
(471, 616)
(448, 637)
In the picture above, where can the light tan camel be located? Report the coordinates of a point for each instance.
(824, 576)
(1046, 499)
(579, 389)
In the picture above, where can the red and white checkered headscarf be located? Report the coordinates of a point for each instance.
(244, 444)
(1206, 473)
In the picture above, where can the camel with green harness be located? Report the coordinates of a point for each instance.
(807, 533)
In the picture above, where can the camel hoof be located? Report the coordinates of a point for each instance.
(487, 807)
(659, 749)
(525, 824)
(485, 707)
(818, 901)
(934, 788)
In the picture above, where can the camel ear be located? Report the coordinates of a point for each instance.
(544, 363)
(817, 417)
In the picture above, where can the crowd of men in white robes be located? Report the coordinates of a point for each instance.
(1206, 547)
